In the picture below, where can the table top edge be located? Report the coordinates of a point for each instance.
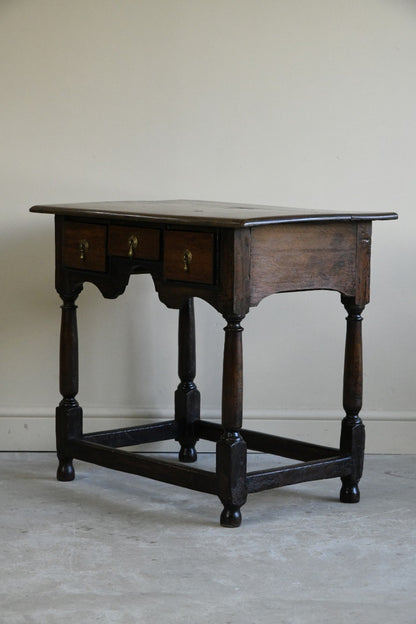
(214, 214)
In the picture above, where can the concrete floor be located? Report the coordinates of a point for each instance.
(118, 549)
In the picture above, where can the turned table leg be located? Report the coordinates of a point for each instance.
(68, 413)
(231, 452)
(353, 432)
(187, 397)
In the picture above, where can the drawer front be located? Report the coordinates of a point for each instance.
(84, 246)
(131, 242)
(189, 256)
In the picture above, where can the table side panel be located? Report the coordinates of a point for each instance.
(292, 257)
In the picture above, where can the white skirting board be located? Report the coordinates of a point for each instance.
(33, 429)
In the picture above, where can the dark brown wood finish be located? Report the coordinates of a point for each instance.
(189, 256)
(132, 242)
(187, 397)
(352, 432)
(196, 213)
(84, 246)
(68, 413)
(231, 448)
(303, 256)
(232, 256)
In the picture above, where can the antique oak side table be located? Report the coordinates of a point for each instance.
(232, 256)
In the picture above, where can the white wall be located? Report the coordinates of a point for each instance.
(305, 103)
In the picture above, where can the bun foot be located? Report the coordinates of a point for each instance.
(65, 471)
(188, 454)
(231, 517)
(349, 493)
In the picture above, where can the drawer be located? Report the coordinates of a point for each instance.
(131, 242)
(189, 256)
(84, 246)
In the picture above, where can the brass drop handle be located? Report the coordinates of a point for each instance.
(83, 248)
(187, 259)
(133, 242)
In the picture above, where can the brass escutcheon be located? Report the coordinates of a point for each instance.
(133, 242)
(187, 259)
(83, 248)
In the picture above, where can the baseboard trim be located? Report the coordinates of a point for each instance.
(28, 429)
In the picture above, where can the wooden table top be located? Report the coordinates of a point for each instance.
(206, 213)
